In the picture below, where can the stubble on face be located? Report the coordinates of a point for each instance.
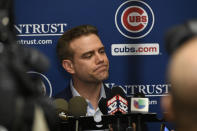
(87, 65)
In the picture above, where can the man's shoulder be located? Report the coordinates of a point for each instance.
(65, 94)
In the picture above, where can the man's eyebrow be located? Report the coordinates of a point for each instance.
(92, 51)
(102, 48)
(86, 53)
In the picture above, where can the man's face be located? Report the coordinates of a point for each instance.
(90, 63)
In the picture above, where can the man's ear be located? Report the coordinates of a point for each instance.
(68, 66)
(167, 106)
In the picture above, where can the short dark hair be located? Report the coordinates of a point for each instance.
(63, 49)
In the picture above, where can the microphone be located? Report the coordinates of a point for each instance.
(117, 104)
(103, 108)
(103, 105)
(61, 108)
(77, 107)
(140, 104)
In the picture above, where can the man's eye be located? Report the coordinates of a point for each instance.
(88, 56)
(102, 51)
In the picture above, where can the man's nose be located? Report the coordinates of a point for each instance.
(99, 58)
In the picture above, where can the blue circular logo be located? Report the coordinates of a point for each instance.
(134, 19)
(44, 83)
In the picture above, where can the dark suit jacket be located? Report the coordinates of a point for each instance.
(67, 94)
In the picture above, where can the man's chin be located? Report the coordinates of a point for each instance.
(102, 77)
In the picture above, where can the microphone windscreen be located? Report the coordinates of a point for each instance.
(103, 105)
(116, 90)
(139, 94)
(61, 106)
(77, 106)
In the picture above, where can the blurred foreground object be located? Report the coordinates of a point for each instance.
(181, 104)
(19, 94)
(178, 34)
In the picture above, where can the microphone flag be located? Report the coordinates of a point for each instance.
(140, 105)
(117, 104)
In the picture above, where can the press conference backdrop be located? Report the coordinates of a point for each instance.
(131, 31)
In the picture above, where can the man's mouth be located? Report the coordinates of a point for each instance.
(101, 68)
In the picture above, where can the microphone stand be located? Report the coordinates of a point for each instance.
(129, 128)
(118, 124)
(139, 123)
(77, 125)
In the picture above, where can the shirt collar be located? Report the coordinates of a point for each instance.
(75, 93)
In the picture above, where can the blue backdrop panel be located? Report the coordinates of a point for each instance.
(132, 32)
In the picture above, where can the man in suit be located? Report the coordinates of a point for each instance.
(82, 55)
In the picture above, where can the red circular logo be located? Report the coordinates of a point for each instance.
(134, 19)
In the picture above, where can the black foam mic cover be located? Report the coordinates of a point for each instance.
(116, 90)
(103, 105)
(61, 105)
(139, 94)
(77, 106)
